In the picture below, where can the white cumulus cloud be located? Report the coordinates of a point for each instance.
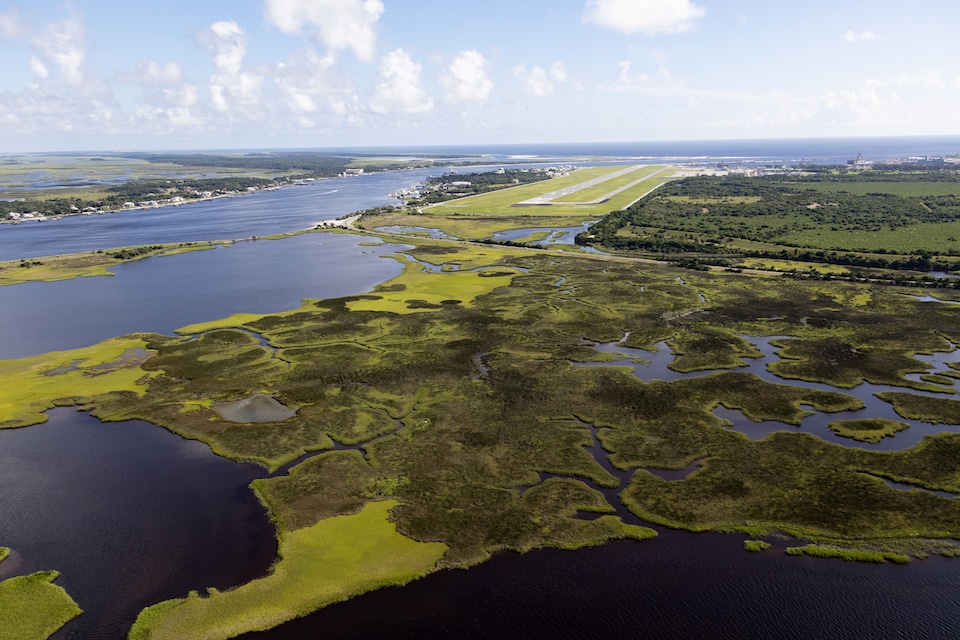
(228, 42)
(231, 85)
(648, 17)
(312, 83)
(38, 68)
(538, 81)
(930, 79)
(398, 88)
(466, 79)
(337, 24)
(862, 36)
(154, 73)
(62, 44)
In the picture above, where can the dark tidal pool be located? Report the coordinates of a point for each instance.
(130, 514)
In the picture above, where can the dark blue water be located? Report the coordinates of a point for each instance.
(814, 150)
(679, 586)
(164, 293)
(129, 514)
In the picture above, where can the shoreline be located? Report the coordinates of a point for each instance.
(163, 205)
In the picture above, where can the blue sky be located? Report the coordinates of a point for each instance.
(106, 74)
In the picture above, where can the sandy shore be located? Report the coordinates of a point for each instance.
(340, 223)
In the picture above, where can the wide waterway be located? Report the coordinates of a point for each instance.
(161, 294)
(257, 214)
(131, 514)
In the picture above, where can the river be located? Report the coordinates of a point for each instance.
(130, 513)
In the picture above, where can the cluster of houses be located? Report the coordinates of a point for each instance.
(17, 216)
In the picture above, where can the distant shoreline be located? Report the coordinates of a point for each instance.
(159, 205)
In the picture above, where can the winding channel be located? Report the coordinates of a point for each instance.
(654, 365)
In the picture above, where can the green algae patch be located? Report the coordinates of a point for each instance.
(331, 561)
(32, 607)
(38, 383)
(868, 430)
(426, 291)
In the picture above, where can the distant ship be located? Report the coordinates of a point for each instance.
(859, 161)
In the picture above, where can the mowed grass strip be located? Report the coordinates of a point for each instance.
(32, 607)
(502, 202)
(331, 561)
(599, 190)
(32, 385)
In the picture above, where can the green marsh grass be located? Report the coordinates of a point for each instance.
(849, 555)
(867, 430)
(37, 383)
(32, 607)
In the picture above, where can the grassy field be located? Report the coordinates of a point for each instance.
(330, 561)
(894, 188)
(850, 555)
(716, 215)
(33, 608)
